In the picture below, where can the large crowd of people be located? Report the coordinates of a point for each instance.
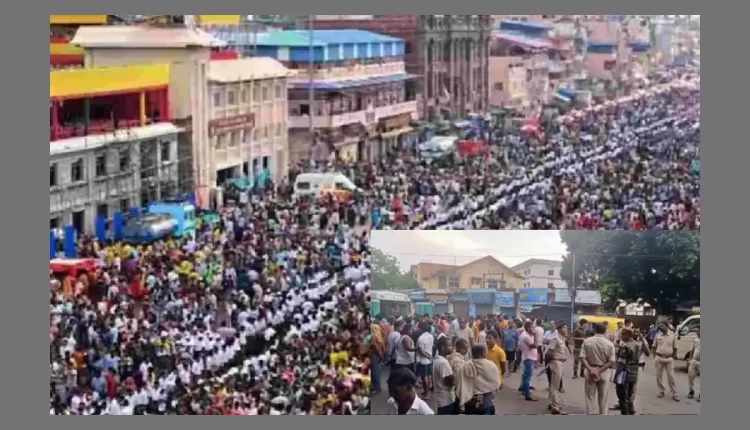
(267, 312)
(262, 313)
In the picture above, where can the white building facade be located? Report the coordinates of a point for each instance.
(247, 119)
(102, 174)
(538, 273)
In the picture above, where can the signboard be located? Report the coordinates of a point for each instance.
(532, 296)
(583, 297)
(232, 123)
(482, 297)
(416, 295)
(525, 308)
(472, 310)
(505, 299)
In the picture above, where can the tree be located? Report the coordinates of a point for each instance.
(660, 267)
(387, 275)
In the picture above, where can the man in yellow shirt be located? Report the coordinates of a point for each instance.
(496, 354)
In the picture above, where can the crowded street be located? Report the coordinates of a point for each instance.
(509, 401)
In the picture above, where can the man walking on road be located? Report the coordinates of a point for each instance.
(579, 335)
(597, 357)
(555, 357)
(539, 340)
(626, 375)
(695, 364)
(530, 355)
(665, 351)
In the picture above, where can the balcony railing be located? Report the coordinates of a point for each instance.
(368, 116)
(356, 71)
(95, 128)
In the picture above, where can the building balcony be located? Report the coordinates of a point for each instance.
(366, 117)
(354, 71)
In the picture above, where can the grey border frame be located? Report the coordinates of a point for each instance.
(23, 100)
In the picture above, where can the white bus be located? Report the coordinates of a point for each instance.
(389, 303)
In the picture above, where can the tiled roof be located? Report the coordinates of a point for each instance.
(246, 69)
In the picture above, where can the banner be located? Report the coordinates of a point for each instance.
(416, 295)
(482, 297)
(532, 296)
(584, 297)
(506, 299)
(470, 148)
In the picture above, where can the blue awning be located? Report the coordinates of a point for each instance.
(567, 93)
(353, 83)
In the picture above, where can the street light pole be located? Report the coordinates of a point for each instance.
(572, 290)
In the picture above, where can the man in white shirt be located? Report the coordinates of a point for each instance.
(539, 340)
(425, 343)
(445, 394)
(404, 399)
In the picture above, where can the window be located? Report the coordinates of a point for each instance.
(124, 205)
(256, 93)
(303, 186)
(689, 326)
(476, 281)
(277, 91)
(454, 282)
(231, 98)
(166, 151)
(492, 284)
(498, 86)
(102, 210)
(54, 223)
(550, 285)
(339, 186)
(442, 282)
(551, 272)
(217, 99)
(304, 109)
(264, 164)
(53, 175)
(101, 165)
(265, 93)
(279, 131)
(265, 131)
(244, 96)
(76, 170)
(124, 159)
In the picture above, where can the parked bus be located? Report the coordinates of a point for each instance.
(389, 303)
(181, 211)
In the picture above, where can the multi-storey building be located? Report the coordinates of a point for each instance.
(247, 118)
(112, 145)
(449, 52)
(350, 96)
(539, 273)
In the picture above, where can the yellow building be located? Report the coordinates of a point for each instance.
(486, 272)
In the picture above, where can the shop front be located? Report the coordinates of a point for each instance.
(483, 301)
(460, 302)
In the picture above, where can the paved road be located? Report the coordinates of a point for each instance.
(509, 401)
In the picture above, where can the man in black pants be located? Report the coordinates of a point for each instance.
(548, 335)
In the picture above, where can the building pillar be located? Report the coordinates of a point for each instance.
(142, 108)
(55, 119)
(164, 105)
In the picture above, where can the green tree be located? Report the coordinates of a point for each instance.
(660, 267)
(387, 275)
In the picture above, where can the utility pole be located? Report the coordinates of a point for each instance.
(572, 290)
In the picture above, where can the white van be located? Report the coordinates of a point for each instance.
(686, 335)
(320, 183)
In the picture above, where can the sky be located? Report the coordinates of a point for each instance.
(511, 247)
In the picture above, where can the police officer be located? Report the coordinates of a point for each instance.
(555, 358)
(578, 335)
(626, 375)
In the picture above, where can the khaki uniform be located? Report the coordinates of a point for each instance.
(695, 364)
(556, 350)
(626, 379)
(597, 351)
(665, 346)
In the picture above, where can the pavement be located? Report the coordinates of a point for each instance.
(509, 401)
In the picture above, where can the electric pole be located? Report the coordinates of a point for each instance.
(572, 290)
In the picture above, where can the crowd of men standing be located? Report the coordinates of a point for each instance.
(462, 362)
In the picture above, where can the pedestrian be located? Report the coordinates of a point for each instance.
(597, 357)
(529, 356)
(626, 373)
(578, 336)
(651, 335)
(393, 339)
(481, 338)
(496, 354)
(464, 332)
(539, 341)
(405, 349)
(444, 379)
(476, 383)
(425, 344)
(694, 368)
(377, 353)
(404, 400)
(550, 334)
(665, 352)
(510, 346)
(555, 357)
(459, 355)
